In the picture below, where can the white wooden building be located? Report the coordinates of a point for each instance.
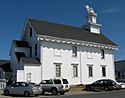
(48, 50)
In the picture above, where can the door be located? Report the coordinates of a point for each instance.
(15, 88)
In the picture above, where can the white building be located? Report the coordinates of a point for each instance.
(47, 50)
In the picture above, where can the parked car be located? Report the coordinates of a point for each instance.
(55, 86)
(121, 82)
(103, 84)
(23, 88)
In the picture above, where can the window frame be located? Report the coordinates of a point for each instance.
(103, 69)
(28, 76)
(75, 71)
(30, 31)
(102, 54)
(36, 47)
(90, 70)
(74, 51)
(58, 70)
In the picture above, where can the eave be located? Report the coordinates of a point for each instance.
(76, 42)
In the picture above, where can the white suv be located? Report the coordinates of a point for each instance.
(55, 86)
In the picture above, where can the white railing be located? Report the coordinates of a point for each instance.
(2, 83)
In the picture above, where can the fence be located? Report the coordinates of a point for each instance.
(2, 83)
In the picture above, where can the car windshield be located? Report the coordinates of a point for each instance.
(65, 81)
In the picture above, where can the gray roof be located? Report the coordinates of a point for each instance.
(68, 32)
(120, 62)
(5, 65)
(29, 61)
(21, 43)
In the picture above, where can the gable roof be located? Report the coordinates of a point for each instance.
(120, 62)
(5, 65)
(21, 43)
(68, 32)
(30, 61)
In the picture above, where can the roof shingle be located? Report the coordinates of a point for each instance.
(5, 65)
(68, 32)
(31, 61)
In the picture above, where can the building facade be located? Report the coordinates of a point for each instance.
(49, 50)
(120, 69)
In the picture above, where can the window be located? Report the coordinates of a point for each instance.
(57, 81)
(30, 51)
(75, 70)
(28, 77)
(102, 54)
(74, 51)
(35, 49)
(30, 32)
(58, 70)
(65, 81)
(103, 71)
(90, 70)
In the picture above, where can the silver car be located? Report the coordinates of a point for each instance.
(23, 88)
(55, 86)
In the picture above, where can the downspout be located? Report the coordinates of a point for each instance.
(40, 56)
(80, 65)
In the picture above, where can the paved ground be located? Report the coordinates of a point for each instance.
(73, 91)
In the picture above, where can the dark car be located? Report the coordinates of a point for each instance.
(103, 84)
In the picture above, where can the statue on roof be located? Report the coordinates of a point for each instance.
(90, 10)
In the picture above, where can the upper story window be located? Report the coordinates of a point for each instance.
(74, 51)
(103, 71)
(30, 32)
(102, 54)
(30, 51)
(35, 49)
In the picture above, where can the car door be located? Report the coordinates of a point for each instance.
(49, 85)
(94, 85)
(23, 87)
(14, 88)
(46, 84)
(97, 85)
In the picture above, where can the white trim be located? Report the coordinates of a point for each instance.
(76, 42)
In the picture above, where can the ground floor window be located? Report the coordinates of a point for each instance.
(104, 71)
(75, 70)
(28, 77)
(90, 70)
(58, 70)
(2, 74)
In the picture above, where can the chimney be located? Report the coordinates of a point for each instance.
(91, 23)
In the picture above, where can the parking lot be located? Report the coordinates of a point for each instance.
(72, 91)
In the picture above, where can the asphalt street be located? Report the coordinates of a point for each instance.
(108, 94)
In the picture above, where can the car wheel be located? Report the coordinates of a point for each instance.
(62, 93)
(54, 91)
(6, 92)
(106, 88)
(88, 88)
(43, 92)
(26, 94)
